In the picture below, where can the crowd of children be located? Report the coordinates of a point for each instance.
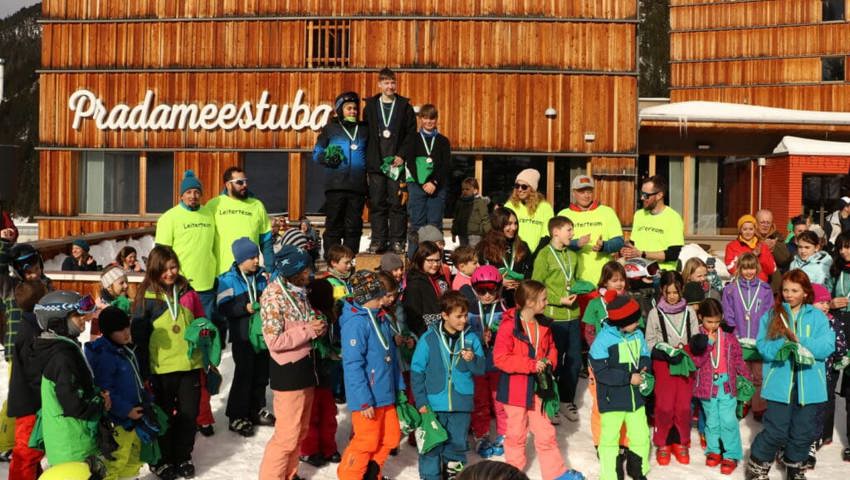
(415, 352)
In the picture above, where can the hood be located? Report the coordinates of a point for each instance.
(358, 311)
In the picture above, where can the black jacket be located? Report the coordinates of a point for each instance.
(441, 155)
(402, 125)
(25, 384)
(421, 302)
(63, 363)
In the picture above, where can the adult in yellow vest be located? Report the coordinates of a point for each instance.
(597, 232)
(532, 210)
(658, 232)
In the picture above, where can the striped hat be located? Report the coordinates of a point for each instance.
(623, 310)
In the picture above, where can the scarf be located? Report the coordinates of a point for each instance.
(339, 275)
(674, 309)
(752, 243)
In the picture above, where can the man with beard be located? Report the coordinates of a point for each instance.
(237, 213)
(658, 233)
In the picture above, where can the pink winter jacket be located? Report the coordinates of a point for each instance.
(704, 387)
(286, 328)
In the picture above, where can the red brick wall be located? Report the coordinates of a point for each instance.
(782, 182)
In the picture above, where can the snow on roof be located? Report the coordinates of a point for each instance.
(684, 112)
(807, 146)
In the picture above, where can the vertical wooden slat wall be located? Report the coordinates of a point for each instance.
(492, 67)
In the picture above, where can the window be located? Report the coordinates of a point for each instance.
(159, 191)
(109, 183)
(463, 166)
(832, 69)
(500, 173)
(820, 195)
(833, 10)
(328, 43)
(268, 179)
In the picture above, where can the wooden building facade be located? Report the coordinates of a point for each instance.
(743, 55)
(492, 68)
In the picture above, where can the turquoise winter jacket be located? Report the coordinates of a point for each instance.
(813, 330)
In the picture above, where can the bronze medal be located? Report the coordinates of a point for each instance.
(175, 328)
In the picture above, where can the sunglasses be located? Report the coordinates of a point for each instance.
(521, 186)
(239, 181)
(488, 288)
(645, 195)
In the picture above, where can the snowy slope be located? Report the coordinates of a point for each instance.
(226, 455)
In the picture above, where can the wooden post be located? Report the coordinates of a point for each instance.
(752, 183)
(651, 164)
(479, 172)
(688, 193)
(143, 183)
(550, 180)
(297, 196)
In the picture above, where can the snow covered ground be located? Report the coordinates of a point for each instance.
(227, 455)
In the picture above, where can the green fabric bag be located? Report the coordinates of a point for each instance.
(581, 287)
(36, 440)
(647, 384)
(255, 330)
(750, 352)
(546, 388)
(746, 390)
(786, 351)
(803, 356)
(387, 168)
(150, 453)
(122, 303)
(408, 417)
(202, 334)
(511, 275)
(430, 433)
(683, 368)
(424, 169)
(334, 156)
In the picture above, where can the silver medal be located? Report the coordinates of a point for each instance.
(354, 146)
(429, 159)
(388, 359)
(386, 133)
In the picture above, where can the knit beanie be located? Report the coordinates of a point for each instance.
(112, 319)
(623, 310)
(82, 244)
(821, 293)
(693, 293)
(366, 286)
(243, 249)
(290, 260)
(390, 261)
(530, 177)
(111, 275)
(430, 233)
(746, 219)
(189, 182)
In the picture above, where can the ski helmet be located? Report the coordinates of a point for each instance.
(24, 256)
(486, 274)
(53, 310)
(342, 99)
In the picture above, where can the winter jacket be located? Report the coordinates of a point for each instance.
(514, 356)
(287, 314)
(234, 296)
(11, 316)
(370, 380)
(704, 387)
(733, 305)
(6, 222)
(557, 270)
(421, 301)
(657, 332)
(435, 384)
(70, 404)
(835, 225)
(478, 315)
(116, 370)
(402, 125)
(813, 330)
(532, 228)
(471, 216)
(71, 265)
(736, 248)
(521, 266)
(25, 383)
(441, 159)
(816, 267)
(160, 346)
(350, 175)
(611, 360)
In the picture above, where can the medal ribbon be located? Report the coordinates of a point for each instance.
(564, 268)
(252, 287)
(527, 331)
(289, 298)
(748, 304)
(680, 332)
(715, 359)
(450, 352)
(505, 261)
(425, 143)
(485, 324)
(384, 342)
(384, 117)
(350, 136)
(793, 320)
(174, 309)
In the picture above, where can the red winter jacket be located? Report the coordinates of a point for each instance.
(736, 248)
(512, 356)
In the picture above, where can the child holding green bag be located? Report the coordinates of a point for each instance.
(239, 291)
(717, 356)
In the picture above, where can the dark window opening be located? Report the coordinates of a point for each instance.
(820, 195)
(832, 69)
(268, 179)
(833, 10)
(159, 190)
(328, 43)
(109, 183)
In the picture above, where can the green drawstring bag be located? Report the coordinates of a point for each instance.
(36, 440)
(647, 385)
(430, 433)
(787, 350)
(749, 350)
(387, 168)
(150, 452)
(803, 356)
(408, 417)
(746, 390)
(581, 287)
(334, 156)
(546, 388)
(424, 169)
(683, 368)
(255, 330)
(511, 275)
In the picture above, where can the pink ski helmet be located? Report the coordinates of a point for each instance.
(486, 274)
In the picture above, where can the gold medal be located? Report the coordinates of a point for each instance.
(175, 328)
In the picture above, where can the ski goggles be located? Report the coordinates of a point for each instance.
(84, 306)
(484, 288)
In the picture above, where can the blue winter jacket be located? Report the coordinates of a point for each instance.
(434, 384)
(350, 175)
(813, 330)
(116, 370)
(494, 315)
(370, 381)
(613, 356)
(233, 298)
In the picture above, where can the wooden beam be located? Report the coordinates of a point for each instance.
(652, 165)
(297, 195)
(550, 180)
(143, 183)
(688, 193)
(479, 172)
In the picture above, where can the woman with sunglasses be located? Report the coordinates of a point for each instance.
(425, 285)
(531, 208)
(503, 248)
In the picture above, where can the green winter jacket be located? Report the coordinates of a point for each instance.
(202, 336)
(556, 269)
(160, 341)
(70, 404)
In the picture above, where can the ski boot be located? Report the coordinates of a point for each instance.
(498, 446)
(757, 470)
(483, 447)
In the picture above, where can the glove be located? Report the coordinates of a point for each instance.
(698, 344)
(403, 196)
